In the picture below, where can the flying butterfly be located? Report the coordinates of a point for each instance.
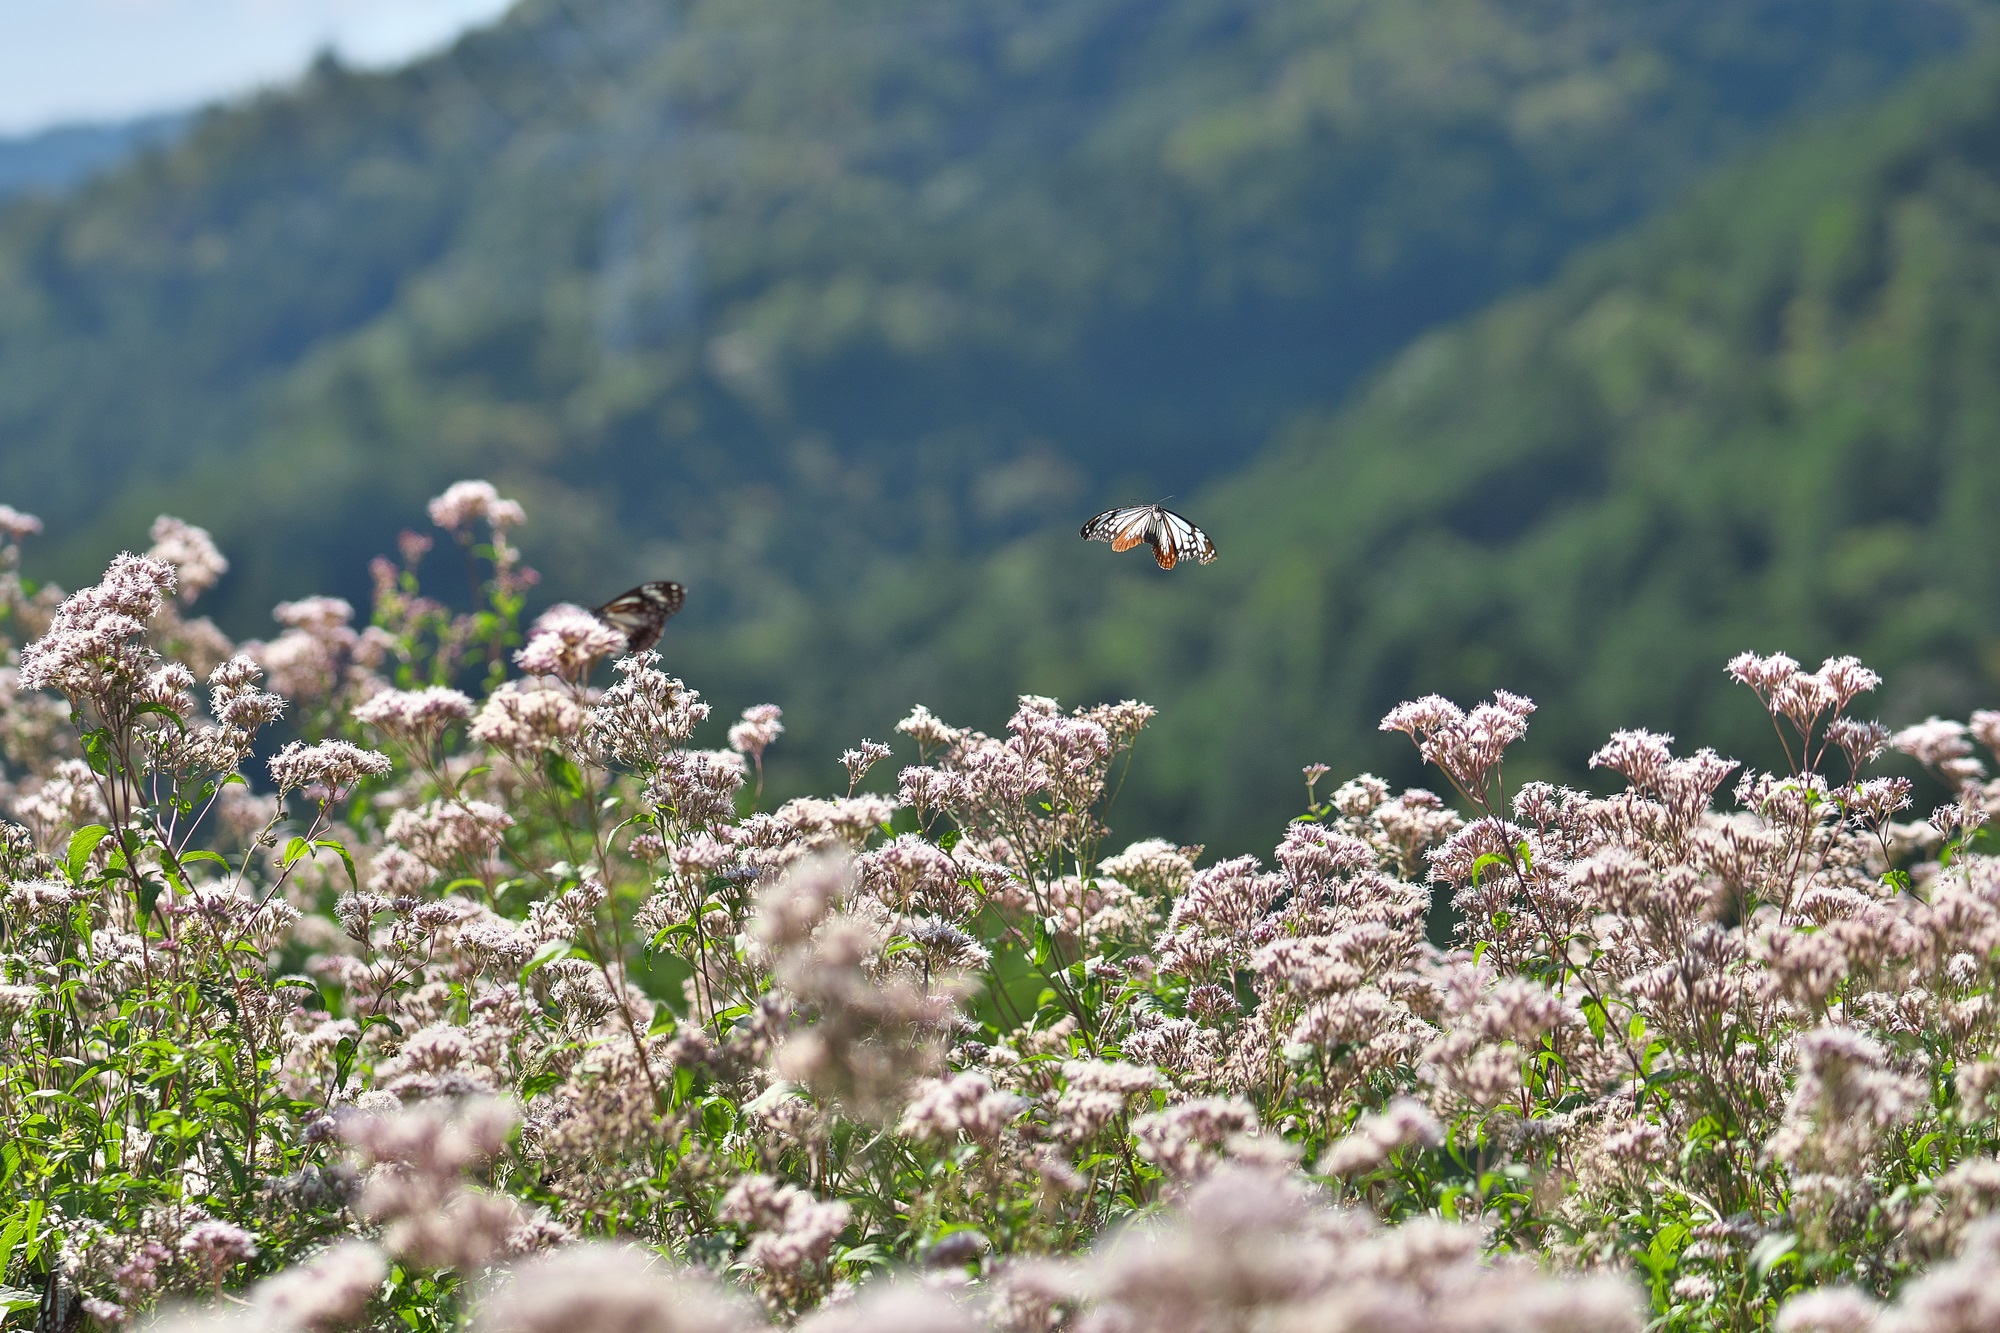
(1172, 537)
(642, 612)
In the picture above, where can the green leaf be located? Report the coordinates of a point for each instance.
(340, 849)
(10, 1237)
(950, 839)
(13, 1299)
(343, 1059)
(869, 1253)
(545, 955)
(564, 775)
(164, 712)
(1663, 1256)
(97, 750)
(294, 849)
(1594, 1013)
(679, 930)
(1773, 1250)
(150, 890)
(82, 845)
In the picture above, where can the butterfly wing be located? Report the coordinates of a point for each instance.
(642, 612)
(1160, 536)
(1124, 528)
(60, 1309)
(1184, 539)
(1172, 537)
(1105, 526)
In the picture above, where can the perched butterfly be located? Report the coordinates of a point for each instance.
(642, 613)
(60, 1309)
(1172, 537)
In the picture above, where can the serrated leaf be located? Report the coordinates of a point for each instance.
(1594, 1014)
(82, 846)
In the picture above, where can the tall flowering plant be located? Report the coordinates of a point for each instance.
(435, 973)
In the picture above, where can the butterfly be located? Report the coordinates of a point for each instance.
(60, 1309)
(1172, 537)
(642, 612)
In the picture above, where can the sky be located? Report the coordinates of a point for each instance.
(63, 61)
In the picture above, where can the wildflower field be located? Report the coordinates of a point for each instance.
(430, 973)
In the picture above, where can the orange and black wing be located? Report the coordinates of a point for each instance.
(1172, 537)
(1183, 539)
(1124, 528)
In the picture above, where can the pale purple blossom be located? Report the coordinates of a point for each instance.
(924, 727)
(858, 760)
(1468, 746)
(328, 1291)
(1404, 1123)
(94, 645)
(756, 730)
(415, 714)
(523, 717)
(568, 641)
(216, 1246)
(198, 564)
(1940, 745)
(466, 502)
(331, 765)
(16, 526)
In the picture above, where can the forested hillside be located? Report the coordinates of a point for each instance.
(817, 306)
(1769, 420)
(708, 274)
(52, 160)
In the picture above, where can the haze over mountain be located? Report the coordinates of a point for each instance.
(830, 310)
(53, 160)
(97, 63)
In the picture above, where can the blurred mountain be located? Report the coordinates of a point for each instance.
(1768, 420)
(828, 308)
(52, 160)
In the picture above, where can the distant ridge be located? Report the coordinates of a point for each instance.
(53, 160)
